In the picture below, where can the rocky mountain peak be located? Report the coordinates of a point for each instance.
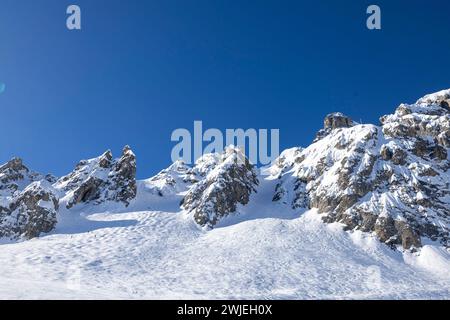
(15, 176)
(425, 125)
(101, 179)
(127, 149)
(332, 121)
(441, 99)
(28, 204)
(226, 184)
(31, 212)
(15, 164)
(13, 170)
(337, 120)
(391, 180)
(123, 185)
(104, 161)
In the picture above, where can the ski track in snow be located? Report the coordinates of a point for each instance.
(267, 251)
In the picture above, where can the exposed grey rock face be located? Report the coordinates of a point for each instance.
(123, 177)
(226, 184)
(27, 202)
(101, 179)
(15, 176)
(334, 121)
(31, 212)
(391, 180)
(11, 172)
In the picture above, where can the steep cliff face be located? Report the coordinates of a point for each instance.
(100, 179)
(228, 181)
(392, 180)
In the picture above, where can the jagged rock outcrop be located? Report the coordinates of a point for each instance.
(15, 176)
(123, 177)
(28, 204)
(229, 180)
(334, 121)
(30, 212)
(101, 179)
(391, 180)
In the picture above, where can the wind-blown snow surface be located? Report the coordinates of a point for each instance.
(267, 251)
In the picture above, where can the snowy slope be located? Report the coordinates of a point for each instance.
(225, 229)
(267, 251)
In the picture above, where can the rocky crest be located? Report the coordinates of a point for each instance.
(391, 180)
(29, 201)
(212, 189)
(28, 204)
(229, 180)
(31, 212)
(101, 179)
(334, 121)
(15, 176)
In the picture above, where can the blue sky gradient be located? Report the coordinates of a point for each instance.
(140, 69)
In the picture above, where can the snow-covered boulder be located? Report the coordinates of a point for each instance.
(229, 180)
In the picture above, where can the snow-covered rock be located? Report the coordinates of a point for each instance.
(177, 178)
(391, 180)
(101, 179)
(334, 121)
(229, 180)
(28, 204)
(30, 212)
(15, 176)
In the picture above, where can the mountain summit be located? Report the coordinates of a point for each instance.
(391, 180)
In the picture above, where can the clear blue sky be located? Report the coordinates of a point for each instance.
(140, 69)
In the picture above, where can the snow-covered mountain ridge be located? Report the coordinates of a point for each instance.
(316, 224)
(391, 180)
